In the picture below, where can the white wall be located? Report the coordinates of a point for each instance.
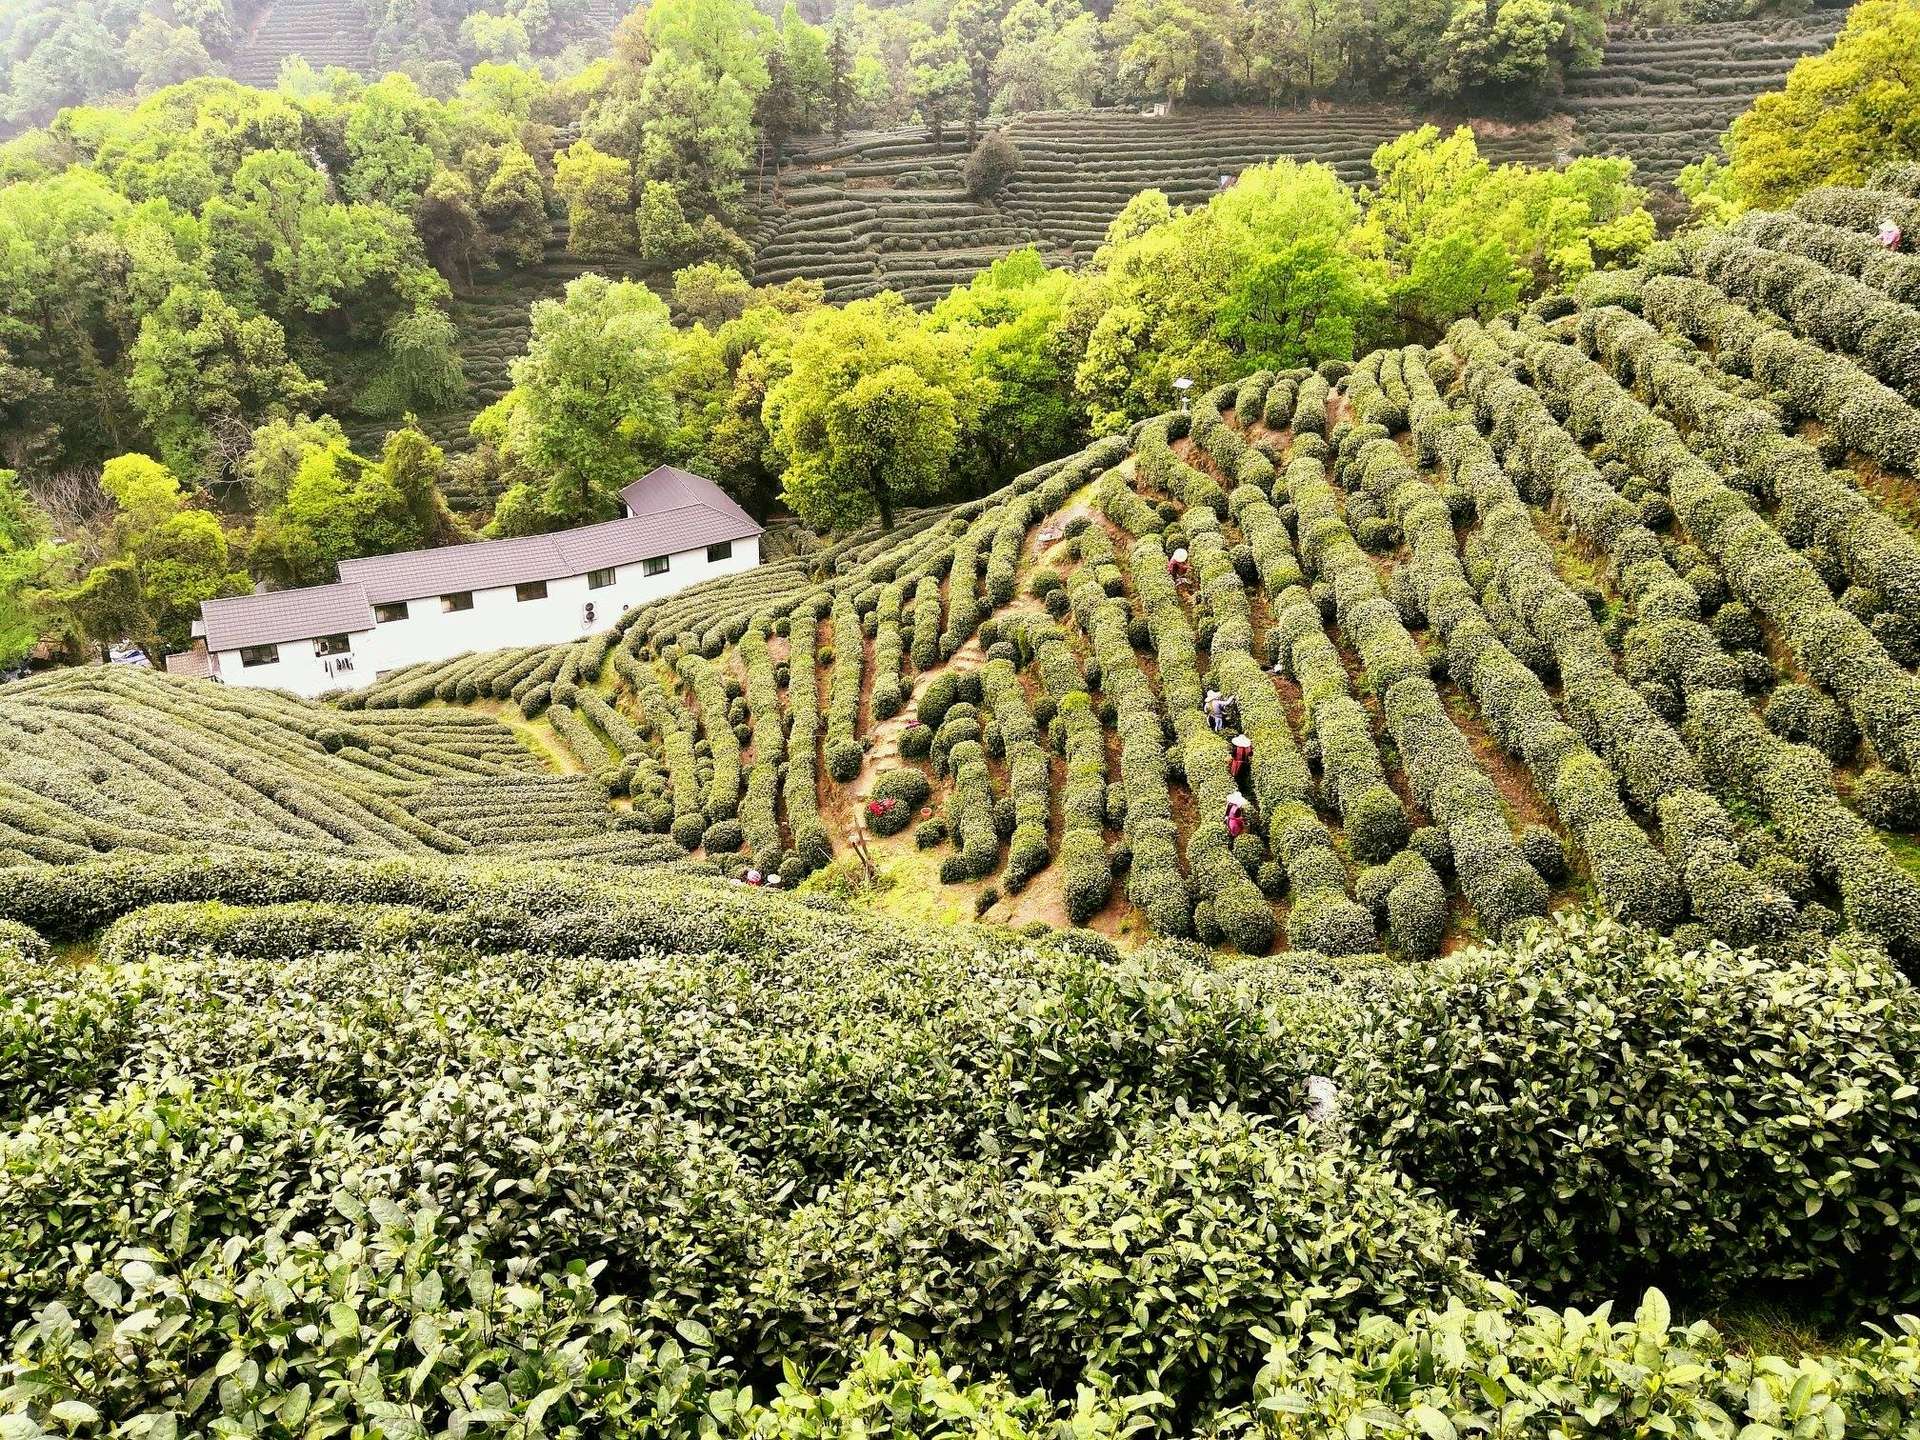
(497, 621)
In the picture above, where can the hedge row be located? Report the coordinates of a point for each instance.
(801, 789)
(889, 644)
(1158, 466)
(1413, 1375)
(759, 807)
(712, 692)
(1123, 505)
(1816, 506)
(970, 817)
(1371, 815)
(1087, 878)
(1793, 785)
(1029, 776)
(1155, 883)
(664, 717)
(1830, 643)
(845, 752)
(1837, 310)
(1228, 904)
(1895, 273)
(1656, 768)
(1628, 872)
(1859, 412)
(1441, 768)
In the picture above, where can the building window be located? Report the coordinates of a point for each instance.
(451, 603)
(722, 551)
(599, 579)
(655, 566)
(388, 614)
(253, 655)
(332, 645)
(532, 590)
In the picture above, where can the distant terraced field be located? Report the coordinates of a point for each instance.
(1662, 97)
(887, 210)
(493, 321)
(325, 32)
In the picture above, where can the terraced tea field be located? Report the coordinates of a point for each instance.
(494, 321)
(324, 32)
(887, 210)
(1618, 605)
(135, 764)
(1663, 96)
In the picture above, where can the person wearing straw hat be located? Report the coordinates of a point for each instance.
(1239, 753)
(1236, 815)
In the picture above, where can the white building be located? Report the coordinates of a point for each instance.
(390, 611)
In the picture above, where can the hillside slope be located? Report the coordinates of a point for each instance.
(888, 210)
(323, 32)
(1663, 96)
(1620, 604)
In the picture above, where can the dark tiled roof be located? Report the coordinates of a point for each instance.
(674, 512)
(669, 488)
(284, 615)
(661, 530)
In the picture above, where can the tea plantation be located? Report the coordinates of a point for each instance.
(1662, 96)
(419, 1063)
(888, 209)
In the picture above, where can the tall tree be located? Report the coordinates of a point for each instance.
(840, 77)
(833, 471)
(598, 190)
(940, 81)
(590, 401)
(1840, 114)
(26, 547)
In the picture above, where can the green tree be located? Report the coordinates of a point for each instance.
(1516, 53)
(661, 224)
(710, 294)
(162, 559)
(834, 354)
(280, 447)
(940, 81)
(393, 135)
(888, 442)
(1306, 302)
(340, 506)
(450, 227)
(514, 208)
(1840, 114)
(1169, 48)
(26, 549)
(698, 134)
(839, 78)
(202, 375)
(590, 402)
(1012, 317)
(728, 39)
(598, 190)
(809, 70)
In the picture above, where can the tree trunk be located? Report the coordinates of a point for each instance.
(883, 497)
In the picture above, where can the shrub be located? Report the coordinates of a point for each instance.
(1724, 1078)
(1427, 1374)
(1887, 799)
(994, 162)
